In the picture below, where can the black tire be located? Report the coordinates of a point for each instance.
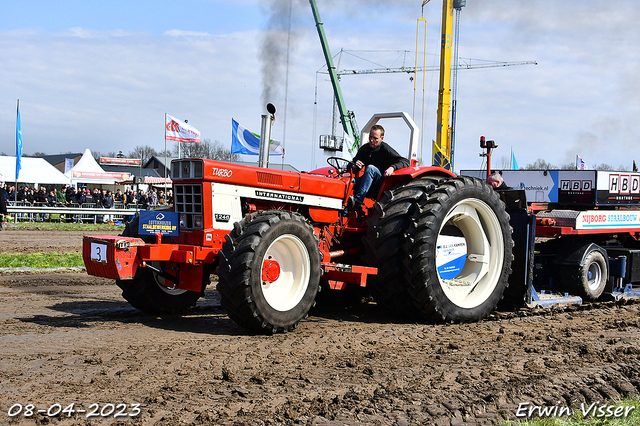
(461, 213)
(386, 234)
(147, 292)
(286, 238)
(589, 279)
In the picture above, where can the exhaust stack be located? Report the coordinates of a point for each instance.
(265, 136)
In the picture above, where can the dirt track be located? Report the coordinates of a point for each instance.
(70, 338)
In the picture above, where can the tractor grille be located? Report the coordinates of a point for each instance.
(188, 204)
(269, 179)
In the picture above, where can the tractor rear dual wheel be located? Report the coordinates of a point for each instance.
(386, 234)
(269, 271)
(459, 251)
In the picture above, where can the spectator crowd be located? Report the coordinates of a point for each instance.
(69, 196)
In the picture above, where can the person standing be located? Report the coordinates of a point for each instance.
(153, 198)
(60, 196)
(3, 205)
(497, 182)
(52, 200)
(129, 198)
(106, 202)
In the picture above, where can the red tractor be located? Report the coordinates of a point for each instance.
(431, 242)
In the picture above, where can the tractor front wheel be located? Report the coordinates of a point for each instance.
(147, 290)
(269, 272)
(148, 293)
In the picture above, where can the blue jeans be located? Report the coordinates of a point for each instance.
(369, 182)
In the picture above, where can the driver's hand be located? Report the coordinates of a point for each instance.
(360, 164)
(389, 171)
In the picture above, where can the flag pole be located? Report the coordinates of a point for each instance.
(18, 151)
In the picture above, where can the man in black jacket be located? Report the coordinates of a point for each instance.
(379, 160)
(497, 182)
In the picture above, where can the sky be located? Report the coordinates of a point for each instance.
(101, 75)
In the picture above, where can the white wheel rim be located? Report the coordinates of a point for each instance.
(287, 291)
(161, 282)
(479, 276)
(594, 275)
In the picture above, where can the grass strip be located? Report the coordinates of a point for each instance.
(40, 260)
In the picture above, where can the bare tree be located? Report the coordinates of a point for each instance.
(539, 164)
(206, 149)
(503, 163)
(97, 154)
(603, 166)
(143, 152)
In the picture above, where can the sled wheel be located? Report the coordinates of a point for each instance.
(386, 234)
(147, 290)
(269, 272)
(460, 250)
(148, 293)
(589, 279)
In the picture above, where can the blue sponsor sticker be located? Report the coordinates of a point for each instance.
(154, 222)
(451, 255)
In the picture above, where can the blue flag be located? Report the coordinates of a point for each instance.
(514, 163)
(243, 141)
(247, 143)
(18, 143)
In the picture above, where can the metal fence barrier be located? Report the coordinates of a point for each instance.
(38, 212)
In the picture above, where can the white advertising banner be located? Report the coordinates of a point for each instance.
(604, 219)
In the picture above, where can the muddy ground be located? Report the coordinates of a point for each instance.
(68, 338)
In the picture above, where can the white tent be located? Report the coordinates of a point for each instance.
(33, 171)
(87, 170)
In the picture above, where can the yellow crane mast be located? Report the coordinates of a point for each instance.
(442, 144)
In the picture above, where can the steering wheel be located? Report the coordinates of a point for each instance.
(335, 162)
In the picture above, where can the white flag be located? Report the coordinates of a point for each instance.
(68, 165)
(580, 164)
(179, 131)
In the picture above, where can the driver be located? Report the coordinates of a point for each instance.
(379, 161)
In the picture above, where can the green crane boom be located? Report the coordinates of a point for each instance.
(347, 117)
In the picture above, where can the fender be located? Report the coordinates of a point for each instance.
(409, 173)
